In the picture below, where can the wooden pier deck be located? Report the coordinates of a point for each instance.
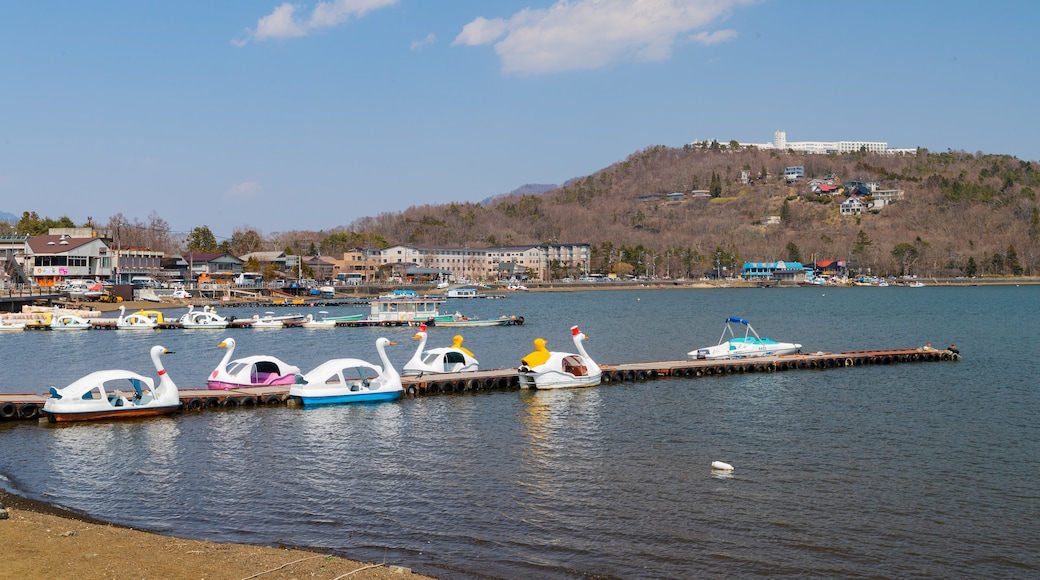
(29, 406)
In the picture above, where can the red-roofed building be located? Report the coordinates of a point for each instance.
(51, 260)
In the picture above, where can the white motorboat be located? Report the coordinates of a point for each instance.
(270, 320)
(449, 359)
(112, 394)
(9, 326)
(748, 345)
(543, 369)
(311, 322)
(250, 371)
(349, 380)
(206, 318)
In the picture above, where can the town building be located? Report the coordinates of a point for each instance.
(51, 260)
(781, 143)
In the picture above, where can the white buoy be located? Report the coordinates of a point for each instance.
(720, 466)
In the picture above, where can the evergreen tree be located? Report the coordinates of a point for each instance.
(793, 253)
(1011, 261)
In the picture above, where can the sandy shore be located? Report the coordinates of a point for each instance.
(42, 541)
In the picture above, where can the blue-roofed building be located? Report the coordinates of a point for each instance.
(779, 270)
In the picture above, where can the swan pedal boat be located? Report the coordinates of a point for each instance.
(135, 321)
(250, 371)
(59, 320)
(206, 318)
(543, 369)
(449, 359)
(749, 345)
(114, 394)
(349, 380)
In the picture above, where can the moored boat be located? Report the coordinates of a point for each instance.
(349, 380)
(544, 369)
(748, 345)
(207, 318)
(449, 359)
(250, 371)
(134, 321)
(112, 394)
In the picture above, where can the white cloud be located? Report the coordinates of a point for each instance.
(283, 22)
(244, 190)
(420, 44)
(709, 38)
(589, 34)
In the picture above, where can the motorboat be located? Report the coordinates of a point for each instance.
(311, 322)
(544, 369)
(59, 320)
(750, 344)
(134, 321)
(449, 359)
(459, 320)
(8, 326)
(349, 380)
(250, 371)
(84, 289)
(205, 318)
(270, 320)
(112, 394)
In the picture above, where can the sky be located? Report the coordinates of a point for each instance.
(307, 116)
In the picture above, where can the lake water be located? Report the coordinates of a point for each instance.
(925, 469)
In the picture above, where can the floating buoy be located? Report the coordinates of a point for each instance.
(720, 466)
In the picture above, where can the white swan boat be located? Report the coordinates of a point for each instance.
(114, 394)
(134, 321)
(205, 318)
(250, 371)
(748, 345)
(543, 369)
(449, 359)
(349, 380)
(59, 320)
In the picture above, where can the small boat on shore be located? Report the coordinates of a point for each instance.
(543, 369)
(749, 345)
(113, 394)
(349, 380)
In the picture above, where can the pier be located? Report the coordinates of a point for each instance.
(30, 406)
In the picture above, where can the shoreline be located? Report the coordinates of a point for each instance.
(43, 540)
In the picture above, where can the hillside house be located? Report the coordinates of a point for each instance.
(854, 205)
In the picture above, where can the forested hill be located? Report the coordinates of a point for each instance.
(960, 213)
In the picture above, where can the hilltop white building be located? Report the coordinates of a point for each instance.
(824, 147)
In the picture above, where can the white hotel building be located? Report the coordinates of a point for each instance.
(485, 263)
(825, 147)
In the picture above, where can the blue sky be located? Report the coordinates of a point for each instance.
(279, 116)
